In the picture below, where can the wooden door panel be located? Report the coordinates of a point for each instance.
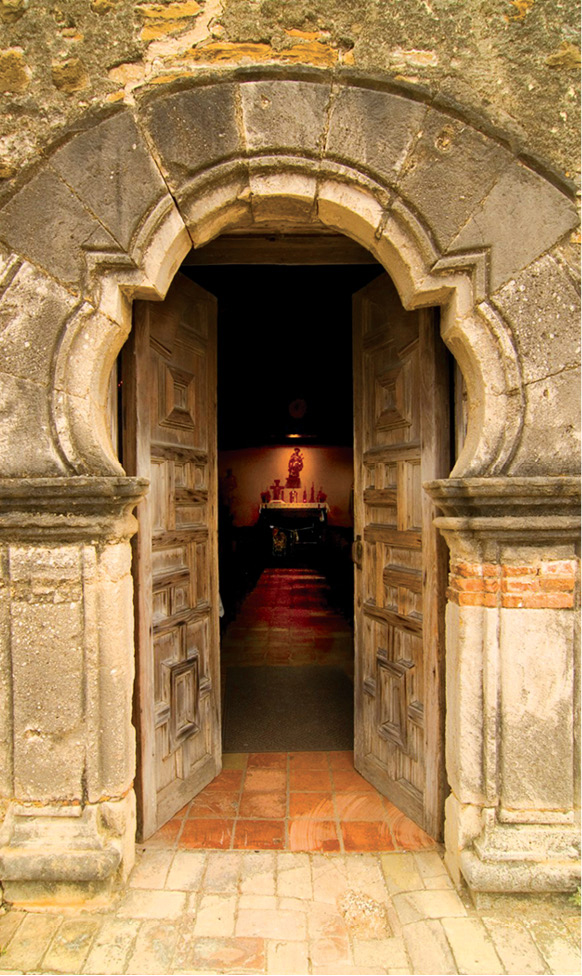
(170, 366)
(399, 406)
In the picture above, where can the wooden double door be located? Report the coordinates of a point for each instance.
(401, 439)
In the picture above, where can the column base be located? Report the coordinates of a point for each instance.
(66, 855)
(511, 858)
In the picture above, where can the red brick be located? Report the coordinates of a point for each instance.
(468, 585)
(519, 570)
(564, 584)
(538, 601)
(565, 567)
(515, 585)
(491, 569)
(477, 599)
(467, 569)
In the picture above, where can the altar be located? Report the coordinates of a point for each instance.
(292, 524)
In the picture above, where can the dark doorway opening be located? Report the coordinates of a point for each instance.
(286, 574)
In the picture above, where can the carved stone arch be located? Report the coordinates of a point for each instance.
(474, 332)
(367, 159)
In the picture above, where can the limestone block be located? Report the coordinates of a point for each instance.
(33, 311)
(536, 711)
(47, 669)
(15, 73)
(110, 167)
(353, 211)
(49, 225)
(521, 217)
(463, 824)
(70, 75)
(24, 406)
(449, 171)
(193, 129)
(116, 673)
(118, 820)
(542, 306)
(47, 661)
(281, 198)
(284, 115)
(223, 205)
(109, 670)
(53, 855)
(550, 441)
(373, 129)
(465, 701)
(82, 370)
(114, 564)
(6, 773)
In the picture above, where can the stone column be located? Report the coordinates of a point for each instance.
(512, 720)
(66, 664)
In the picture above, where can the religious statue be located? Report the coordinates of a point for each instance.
(295, 467)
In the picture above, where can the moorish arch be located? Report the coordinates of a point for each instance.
(459, 218)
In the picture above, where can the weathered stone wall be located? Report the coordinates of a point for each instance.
(441, 136)
(514, 61)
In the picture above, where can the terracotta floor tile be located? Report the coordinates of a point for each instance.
(349, 781)
(166, 835)
(341, 760)
(318, 806)
(207, 833)
(360, 806)
(278, 656)
(265, 780)
(226, 782)
(265, 806)
(407, 834)
(214, 804)
(303, 656)
(268, 760)
(259, 835)
(360, 836)
(234, 760)
(308, 760)
(313, 835)
(309, 780)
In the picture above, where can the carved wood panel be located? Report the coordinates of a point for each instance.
(401, 424)
(170, 368)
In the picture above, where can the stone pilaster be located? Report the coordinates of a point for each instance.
(67, 677)
(511, 817)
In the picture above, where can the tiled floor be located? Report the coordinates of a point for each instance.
(288, 619)
(303, 801)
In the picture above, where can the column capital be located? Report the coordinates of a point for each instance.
(491, 515)
(65, 510)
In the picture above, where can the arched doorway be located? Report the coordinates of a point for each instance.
(400, 390)
(254, 147)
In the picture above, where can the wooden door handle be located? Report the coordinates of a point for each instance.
(357, 551)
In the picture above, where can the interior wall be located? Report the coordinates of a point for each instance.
(255, 469)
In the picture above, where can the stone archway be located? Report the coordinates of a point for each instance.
(429, 193)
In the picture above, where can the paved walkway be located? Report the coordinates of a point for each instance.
(298, 913)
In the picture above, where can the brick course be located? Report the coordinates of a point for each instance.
(544, 585)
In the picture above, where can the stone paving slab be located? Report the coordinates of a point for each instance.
(258, 912)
